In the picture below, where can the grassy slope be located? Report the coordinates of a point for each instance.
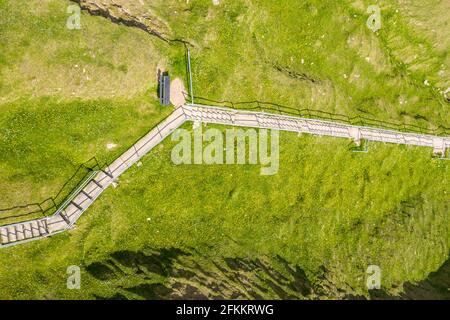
(388, 207)
(340, 210)
(66, 94)
(240, 44)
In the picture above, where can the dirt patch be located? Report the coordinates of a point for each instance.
(177, 92)
(111, 146)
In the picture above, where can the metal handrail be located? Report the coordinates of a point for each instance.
(75, 193)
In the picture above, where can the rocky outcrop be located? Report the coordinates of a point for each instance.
(129, 13)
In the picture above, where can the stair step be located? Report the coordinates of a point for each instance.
(19, 232)
(11, 234)
(76, 205)
(34, 228)
(86, 194)
(27, 231)
(23, 231)
(4, 236)
(42, 227)
(97, 183)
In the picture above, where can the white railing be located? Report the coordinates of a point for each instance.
(243, 118)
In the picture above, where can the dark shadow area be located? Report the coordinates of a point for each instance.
(188, 275)
(172, 273)
(435, 287)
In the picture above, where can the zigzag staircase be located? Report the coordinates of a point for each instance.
(71, 210)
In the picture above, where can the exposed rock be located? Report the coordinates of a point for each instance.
(128, 13)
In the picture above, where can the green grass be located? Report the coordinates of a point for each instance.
(245, 50)
(41, 57)
(43, 142)
(65, 94)
(339, 210)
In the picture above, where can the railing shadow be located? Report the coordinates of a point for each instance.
(50, 205)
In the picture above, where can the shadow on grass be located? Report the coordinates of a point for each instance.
(50, 205)
(172, 273)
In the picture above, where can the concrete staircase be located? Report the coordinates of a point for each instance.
(25, 231)
(81, 199)
(71, 210)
